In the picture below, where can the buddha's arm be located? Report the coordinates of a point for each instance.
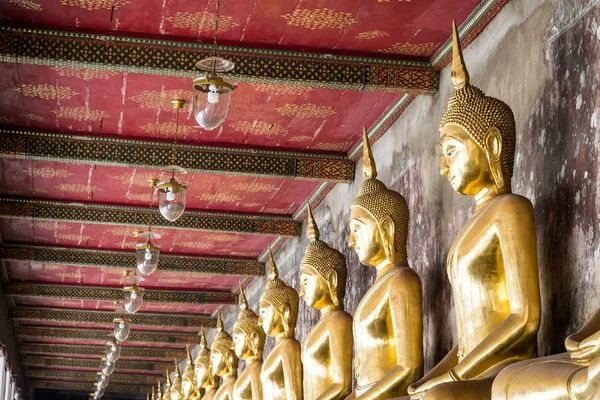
(406, 314)
(340, 349)
(441, 368)
(591, 328)
(256, 385)
(292, 370)
(515, 231)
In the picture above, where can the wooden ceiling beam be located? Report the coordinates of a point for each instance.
(115, 294)
(125, 259)
(88, 386)
(151, 367)
(32, 45)
(37, 145)
(127, 352)
(106, 317)
(94, 213)
(115, 378)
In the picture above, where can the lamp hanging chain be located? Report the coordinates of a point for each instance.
(173, 153)
(216, 30)
(150, 208)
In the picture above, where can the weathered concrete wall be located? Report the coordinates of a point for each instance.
(542, 58)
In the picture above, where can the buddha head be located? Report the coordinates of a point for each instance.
(248, 336)
(378, 218)
(278, 305)
(222, 356)
(322, 271)
(187, 379)
(202, 369)
(176, 388)
(477, 134)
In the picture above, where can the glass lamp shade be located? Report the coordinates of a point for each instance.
(147, 257)
(113, 350)
(99, 392)
(102, 380)
(212, 96)
(122, 328)
(171, 199)
(132, 300)
(108, 367)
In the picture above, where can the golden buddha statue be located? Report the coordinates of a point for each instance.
(327, 350)
(281, 373)
(176, 387)
(188, 381)
(388, 322)
(492, 264)
(205, 379)
(167, 393)
(574, 375)
(158, 390)
(223, 360)
(249, 342)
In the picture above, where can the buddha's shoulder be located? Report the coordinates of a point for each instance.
(289, 344)
(511, 206)
(339, 316)
(404, 276)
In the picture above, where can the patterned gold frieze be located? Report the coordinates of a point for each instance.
(258, 128)
(306, 110)
(33, 117)
(27, 4)
(222, 237)
(94, 5)
(155, 100)
(300, 138)
(85, 73)
(219, 197)
(50, 226)
(7, 120)
(73, 236)
(374, 34)
(342, 147)
(90, 376)
(120, 365)
(81, 114)
(319, 18)
(202, 21)
(196, 245)
(77, 188)
(87, 387)
(99, 351)
(410, 49)
(48, 173)
(119, 260)
(274, 89)
(168, 129)
(137, 178)
(255, 187)
(46, 92)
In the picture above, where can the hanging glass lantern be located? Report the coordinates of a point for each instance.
(212, 93)
(107, 366)
(102, 380)
(113, 350)
(171, 194)
(147, 253)
(99, 392)
(132, 299)
(122, 328)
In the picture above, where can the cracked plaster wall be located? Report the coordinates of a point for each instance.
(542, 58)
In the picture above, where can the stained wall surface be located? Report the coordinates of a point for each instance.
(542, 58)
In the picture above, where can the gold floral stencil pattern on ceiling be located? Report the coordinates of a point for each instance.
(33, 117)
(275, 210)
(94, 5)
(84, 73)
(332, 146)
(48, 173)
(145, 197)
(222, 237)
(280, 89)
(236, 253)
(409, 49)
(196, 245)
(46, 92)
(319, 18)
(127, 231)
(81, 114)
(249, 205)
(168, 128)
(219, 197)
(73, 236)
(258, 128)
(255, 187)
(77, 188)
(50, 226)
(72, 275)
(53, 267)
(201, 22)
(306, 110)
(7, 120)
(12, 192)
(154, 99)
(371, 35)
(137, 179)
(27, 4)
(300, 138)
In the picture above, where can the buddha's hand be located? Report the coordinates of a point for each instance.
(351, 396)
(587, 349)
(418, 392)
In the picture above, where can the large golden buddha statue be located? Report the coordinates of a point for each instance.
(327, 350)
(492, 264)
(188, 380)
(223, 360)
(574, 375)
(388, 322)
(205, 379)
(249, 342)
(281, 373)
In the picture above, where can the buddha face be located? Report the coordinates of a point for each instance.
(270, 319)
(187, 383)
(463, 162)
(202, 378)
(241, 344)
(365, 237)
(217, 361)
(313, 288)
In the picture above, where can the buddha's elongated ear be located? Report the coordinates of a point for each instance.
(332, 283)
(387, 230)
(254, 341)
(493, 151)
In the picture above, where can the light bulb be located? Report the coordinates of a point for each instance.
(213, 94)
(122, 325)
(113, 348)
(133, 295)
(148, 255)
(171, 196)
